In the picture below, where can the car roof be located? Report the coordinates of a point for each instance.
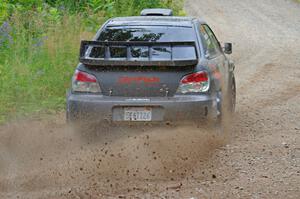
(153, 21)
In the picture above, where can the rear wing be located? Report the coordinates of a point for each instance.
(138, 53)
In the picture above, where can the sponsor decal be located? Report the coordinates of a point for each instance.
(138, 80)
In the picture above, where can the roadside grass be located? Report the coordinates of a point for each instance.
(37, 61)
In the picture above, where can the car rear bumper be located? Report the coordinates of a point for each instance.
(103, 108)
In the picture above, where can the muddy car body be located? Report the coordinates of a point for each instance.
(151, 68)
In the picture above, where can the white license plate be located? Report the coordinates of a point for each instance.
(137, 114)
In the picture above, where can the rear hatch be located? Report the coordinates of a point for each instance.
(144, 65)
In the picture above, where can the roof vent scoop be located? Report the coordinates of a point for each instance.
(157, 12)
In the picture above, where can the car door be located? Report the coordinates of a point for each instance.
(213, 53)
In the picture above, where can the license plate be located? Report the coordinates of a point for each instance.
(137, 114)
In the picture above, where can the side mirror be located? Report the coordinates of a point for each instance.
(228, 48)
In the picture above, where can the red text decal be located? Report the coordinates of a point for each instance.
(130, 80)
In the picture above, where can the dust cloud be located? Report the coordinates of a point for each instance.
(47, 155)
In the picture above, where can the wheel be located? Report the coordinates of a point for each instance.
(232, 95)
(224, 107)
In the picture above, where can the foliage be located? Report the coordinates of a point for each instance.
(36, 63)
(39, 43)
(93, 11)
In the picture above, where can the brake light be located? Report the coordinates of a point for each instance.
(195, 78)
(84, 77)
(84, 82)
(194, 83)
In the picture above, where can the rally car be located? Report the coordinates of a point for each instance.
(152, 68)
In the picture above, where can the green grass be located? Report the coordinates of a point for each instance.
(35, 72)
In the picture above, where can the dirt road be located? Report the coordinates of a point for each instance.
(43, 158)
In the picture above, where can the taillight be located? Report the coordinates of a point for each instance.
(84, 82)
(194, 83)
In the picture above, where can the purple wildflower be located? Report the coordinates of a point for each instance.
(5, 36)
(38, 42)
(61, 8)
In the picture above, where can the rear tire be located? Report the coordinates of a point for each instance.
(220, 118)
(231, 96)
(228, 101)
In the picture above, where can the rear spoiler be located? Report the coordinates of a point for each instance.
(129, 60)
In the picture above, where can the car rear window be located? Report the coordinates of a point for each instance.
(152, 34)
(148, 33)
